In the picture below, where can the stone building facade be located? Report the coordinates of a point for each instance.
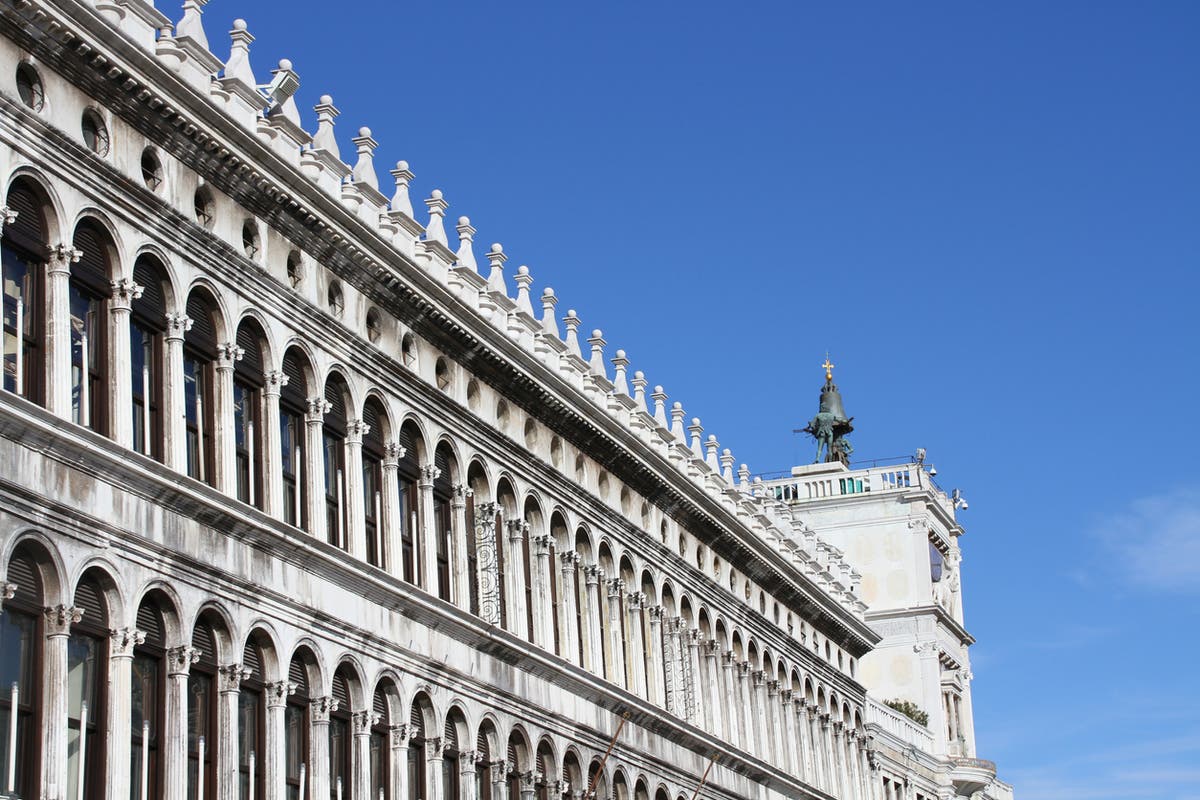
(296, 502)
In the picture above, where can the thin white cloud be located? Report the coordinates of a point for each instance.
(1155, 542)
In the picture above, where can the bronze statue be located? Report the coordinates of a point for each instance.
(831, 425)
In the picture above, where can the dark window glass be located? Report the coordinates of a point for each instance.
(17, 642)
(21, 315)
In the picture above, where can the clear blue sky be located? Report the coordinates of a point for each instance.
(987, 212)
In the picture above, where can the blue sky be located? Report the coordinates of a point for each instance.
(987, 212)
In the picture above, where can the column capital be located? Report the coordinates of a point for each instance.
(231, 677)
(785, 697)
(180, 659)
(433, 748)
(277, 693)
(710, 647)
(364, 721)
(7, 217)
(743, 669)
(121, 641)
(59, 619)
(228, 354)
(392, 453)
(124, 292)
(356, 429)
(398, 735)
(656, 614)
(8, 590)
(459, 494)
(759, 677)
(178, 325)
(593, 574)
(728, 659)
(541, 545)
(62, 256)
(517, 528)
(320, 708)
(527, 780)
(315, 409)
(429, 474)
(497, 771)
(614, 587)
(772, 688)
(273, 382)
(569, 560)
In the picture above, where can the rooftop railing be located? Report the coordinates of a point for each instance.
(874, 480)
(898, 725)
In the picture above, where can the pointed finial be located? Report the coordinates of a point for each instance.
(435, 231)
(324, 139)
(523, 280)
(744, 478)
(497, 258)
(828, 367)
(364, 168)
(400, 200)
(695, 429)
(572, 322)
(549, 301)
(710, 448)
(238, 65)
(620, 365)
(465, 257)
(191, 24)
(639, 390)
(677, 422)
(727, 466)
(596, 340)
(660, 406)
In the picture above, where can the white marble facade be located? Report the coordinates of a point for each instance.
(298, 500)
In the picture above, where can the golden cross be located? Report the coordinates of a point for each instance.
(828, 367)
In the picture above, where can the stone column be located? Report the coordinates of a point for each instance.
(124, 292)
(58, 349)
(966, 720)
(360, 780)
(931, 679)
(696, 701)
(855, 784)
(269, 440)
(514, 581)
(528, 785)
(807, 770)
(392, 522)
(117, 720)
(765, 698)
(759, 711)
(498, 770)
(567, 603)
(58, 621)
(458, 552)
(225, 460)
(314, 467)
(273, 762)
(398, 741)
(637, 643)
(616, 644)
(749, 739)
(789, 761)
(732, 705)
(173, 416)
(433, 770)
(836, 760)
(778, 750)
(172, 740)
(543, 606)
(427, 547)
(352, 487)
(466, 775)
(226, 755)
(717, 722)
(486, 549)
(657, 667)
(592, 575)
(318, 746)
(826, 740)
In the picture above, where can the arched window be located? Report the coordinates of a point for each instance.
(372, 482)
(20, 667)
(89, 290)
(87, 670)
(248, 379)
(199, 385)
(293, 443)
(23, 252)
(380, 787)
(252, 721)
(147, 351)
(340, 739)
(545, 771)
(450, 753)
(407, 476)
(148, 698)
(202, 714)
(333, 437)
(483, 777)
(443, 520)
(416, 753)
(296, 727)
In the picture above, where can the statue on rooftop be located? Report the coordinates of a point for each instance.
(831, 425)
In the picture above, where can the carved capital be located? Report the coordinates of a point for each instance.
(729, 659)
(7, 591)
(433, 748)
(277, 693)
(516, 529)
(121, 641)
(124, 292)
(231, 677)
(593, 574)
(363, 721)
(429, 474)
(785, 696)
(656, 614)
(274, 381)
(315, 409)
(486, 511)
(569, 560)
(459, 494)
(180, 659)
(228, 354)
(178, 325)
(321, 707)
(398, 735)
(392, 453)
(62, 256)
(59, 619)
(925, 649)
(356, 429)
(7, 217)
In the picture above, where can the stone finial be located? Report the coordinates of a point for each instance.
(496, 259)
(660, 406)
(596, 363)
(711, 447)
(727, 466)
(639, 390)
(191, 25)
(620, 366)
(523, 280)
(572, 322)
(677, 422)
(744, 478)
(400, 200)
(324, 139)
(435, 231)
(364, 168)
(284, 80)
(549, 301)
(465, 257)
(695, 429)
(238, 65)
